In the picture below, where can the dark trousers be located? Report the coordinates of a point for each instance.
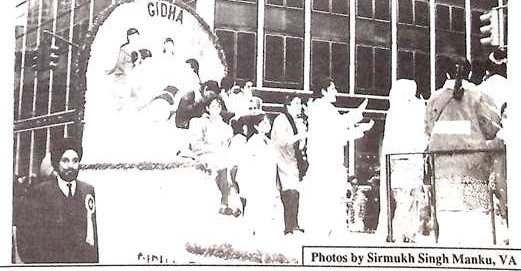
(223, 185)
(290, 200)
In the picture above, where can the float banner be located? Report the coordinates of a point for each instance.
(418, 257)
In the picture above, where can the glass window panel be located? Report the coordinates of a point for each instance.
(442, 17)
(42, 96)
(339, 6)
(276, 2)
(322, 5)
(422, 66)
(25, 152)
(246, 55)
(58, 90)
(405, 65)
(442, 65)
(274, 58)
(458, 19)
(483, 4)
(340, 65)
(382, 60)
(294, 60)
(57, 132)
(27, 95)
(421, 13)
(382, 10)
(227, 41)
(39, 148)
(364, 67)
(475, 22)
(405, 11)
(295, 3)
(364, 8)
(321, 61)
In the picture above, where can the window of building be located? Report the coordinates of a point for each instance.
(321, 5)
(373, 70)
(246, 46)
(405, 12)
(240, 51)
(442, 17)
(458, 19)
(422, 74)
(405, 65)
(286, 3)
(413, 12)
(334, 6)
(340, 6)
(320, 67)
(382, 71)
(364, 67)
(421, 13)
(294, 59)
(382, 10)
(415, 65)
(340, 65)
(283, 65)
(227, 41)
(274, 69)
(364, 8)
(330, 59)
(374, 9)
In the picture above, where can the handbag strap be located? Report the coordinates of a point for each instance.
(293, 125)
(291, 122)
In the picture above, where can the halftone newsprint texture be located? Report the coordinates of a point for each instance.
(288, 133)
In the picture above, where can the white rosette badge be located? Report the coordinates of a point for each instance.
(90, 206)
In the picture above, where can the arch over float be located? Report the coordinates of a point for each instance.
(107, 83)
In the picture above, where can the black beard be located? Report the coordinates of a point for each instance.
(68, 175)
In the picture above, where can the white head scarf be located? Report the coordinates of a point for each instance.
(404, 125)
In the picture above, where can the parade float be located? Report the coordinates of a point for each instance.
(153, 205)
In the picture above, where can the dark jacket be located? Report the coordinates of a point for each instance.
(55, 228)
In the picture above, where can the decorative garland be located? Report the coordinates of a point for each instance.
(227, 252)
(147, 165)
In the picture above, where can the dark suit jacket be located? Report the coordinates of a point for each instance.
(55, 228)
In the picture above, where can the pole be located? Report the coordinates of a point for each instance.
(389, 191)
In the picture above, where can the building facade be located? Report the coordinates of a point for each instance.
(281, 45)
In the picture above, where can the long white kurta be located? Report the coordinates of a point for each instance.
(322, 205)
(256, 176)
(406, 170)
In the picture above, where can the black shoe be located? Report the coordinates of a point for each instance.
(286, 232)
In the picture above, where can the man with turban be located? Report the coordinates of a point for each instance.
(61, 225)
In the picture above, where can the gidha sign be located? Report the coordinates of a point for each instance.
(165, 10)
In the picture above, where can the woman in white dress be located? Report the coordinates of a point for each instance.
(263, 212)
(405, 112)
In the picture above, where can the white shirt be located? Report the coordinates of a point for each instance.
(64, 188)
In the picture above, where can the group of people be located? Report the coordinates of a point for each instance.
(278, 173)
(260, 167)
(283, 173)
(450, 157)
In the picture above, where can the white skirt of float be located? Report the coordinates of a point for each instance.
(152, 212)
